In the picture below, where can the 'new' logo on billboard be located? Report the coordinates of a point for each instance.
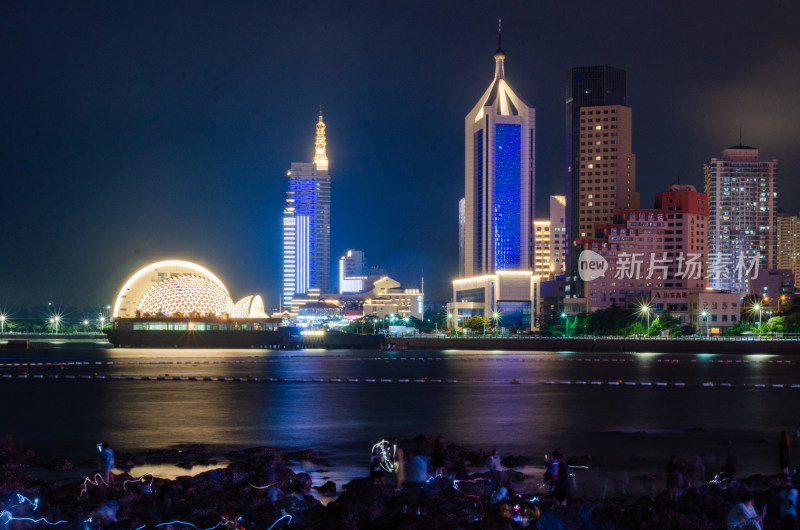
(591, 265)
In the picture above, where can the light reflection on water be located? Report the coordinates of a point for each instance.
(631, 427)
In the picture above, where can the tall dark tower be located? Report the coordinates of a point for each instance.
(604, 87)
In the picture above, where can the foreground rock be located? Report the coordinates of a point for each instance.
(258, 488)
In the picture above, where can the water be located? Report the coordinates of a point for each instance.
(520, 403)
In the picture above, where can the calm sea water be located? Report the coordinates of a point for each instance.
(520, 403)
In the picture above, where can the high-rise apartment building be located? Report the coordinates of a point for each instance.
(600, 165)
(789, 243)
(542, 262)
(499, 179)
(742, 194)
(307, 224)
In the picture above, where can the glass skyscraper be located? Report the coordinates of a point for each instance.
(499, 180)
(307, 224)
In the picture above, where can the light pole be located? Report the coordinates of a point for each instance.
(2, 323)
(566, 324)
(496, 317)
(645, 309)
(450, 321)
(757, 306)
(54, 321)
(705, 317)
(102, 322)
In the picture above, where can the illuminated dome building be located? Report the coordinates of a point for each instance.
(180, 295)
(249, 307)
(178, 304)
(132, 292)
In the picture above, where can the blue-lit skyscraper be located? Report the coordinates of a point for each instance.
(307, 224)
(499, 179)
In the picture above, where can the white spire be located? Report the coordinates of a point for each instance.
(320, 157)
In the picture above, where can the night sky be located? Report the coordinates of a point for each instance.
(139, 131)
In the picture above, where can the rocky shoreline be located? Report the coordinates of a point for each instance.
(259, 490)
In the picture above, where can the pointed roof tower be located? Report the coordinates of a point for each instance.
(500, 95)
(320, 156)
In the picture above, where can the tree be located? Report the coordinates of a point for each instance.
(655, 328)
(671, 324)
(476, 323)
(635, 328)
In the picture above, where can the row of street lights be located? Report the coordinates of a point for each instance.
(54, 321)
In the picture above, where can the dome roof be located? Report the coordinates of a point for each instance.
(251, 306)
(186, 294)
(136, 286)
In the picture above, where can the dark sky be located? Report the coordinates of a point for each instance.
(139, 131)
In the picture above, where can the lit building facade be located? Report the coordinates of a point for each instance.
(514, 296)
(462, 223)
(307, 224)
(387, 297)
(655, 256)
(499, 179)
(352, 272)
(712, 311)
(742, 192)
(600, 172)
(789, 243)
(542, 261)
(550, 240)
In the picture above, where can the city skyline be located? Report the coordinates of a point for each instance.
(147, 132)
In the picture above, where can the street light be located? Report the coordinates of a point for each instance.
(2, 323)
(705, 317)
(496, 317)
(54, 321)
(450, 321)
(102, 322)
(566, 323)
(645, 309)
(758, 307)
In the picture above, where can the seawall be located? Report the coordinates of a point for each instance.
(603, 344)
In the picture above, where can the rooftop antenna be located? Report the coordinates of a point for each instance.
(499, 33)
(740, 135)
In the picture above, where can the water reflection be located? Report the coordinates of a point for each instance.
(637, 423)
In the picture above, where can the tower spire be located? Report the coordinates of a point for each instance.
(500, 34)
(320, 156)
(499, 55)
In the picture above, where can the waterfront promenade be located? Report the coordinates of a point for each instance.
(740, 345)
